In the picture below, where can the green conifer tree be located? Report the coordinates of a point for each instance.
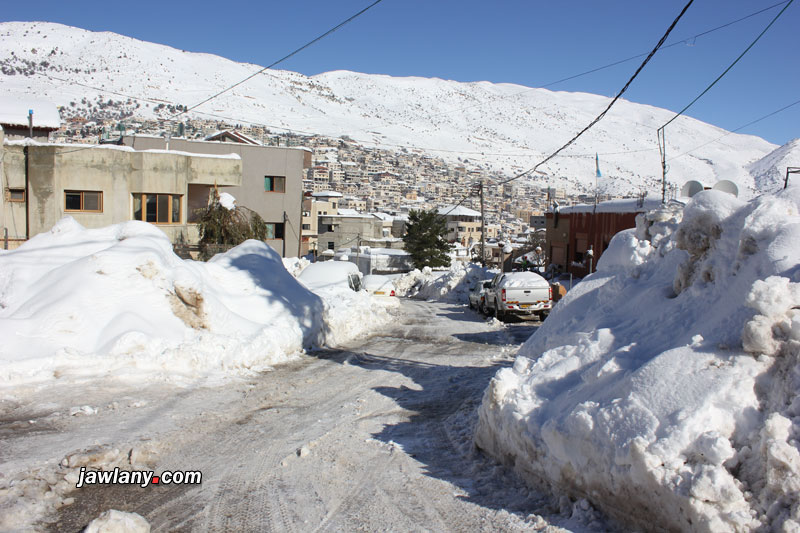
(425, 239)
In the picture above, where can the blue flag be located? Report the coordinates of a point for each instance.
(597, 165)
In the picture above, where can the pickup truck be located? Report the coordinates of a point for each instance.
(519, 293)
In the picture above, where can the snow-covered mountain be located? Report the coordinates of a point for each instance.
(505, 128)
(769, 173)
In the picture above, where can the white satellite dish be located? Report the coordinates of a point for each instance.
(727, 186)
(690, 188)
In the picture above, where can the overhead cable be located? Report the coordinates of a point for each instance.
(679, 113)
(279, 61)
(617, 97)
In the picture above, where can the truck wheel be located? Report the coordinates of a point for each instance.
(498, 314)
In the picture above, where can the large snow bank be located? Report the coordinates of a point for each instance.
(347, 313)
(76, 302)
(450, 285)
(665, 387)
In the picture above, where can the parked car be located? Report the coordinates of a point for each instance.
(379, 285)
(330, 275)
(520, 294)
(477, 295)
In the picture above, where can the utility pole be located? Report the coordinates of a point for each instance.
(662, 147)
(483, 228)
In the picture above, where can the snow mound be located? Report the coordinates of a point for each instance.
(664, 388)
(295, 265)
(77, 302)
(450, 285)
(227, 201)
(347, 313)
(114, 521)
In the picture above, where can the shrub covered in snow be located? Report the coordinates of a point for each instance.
(665, 387)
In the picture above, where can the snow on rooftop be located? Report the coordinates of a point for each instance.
(459, 211)
(348, 212)
(326, 194)
(622, 205)
(14, 112)
(118, 147)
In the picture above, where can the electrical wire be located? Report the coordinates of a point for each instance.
(617, 97)
(281, 60)
(378, 143)
(784, 108)
(614, 63)
(679, 113)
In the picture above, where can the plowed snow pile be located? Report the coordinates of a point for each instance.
(78, 303)
(665, 388)
(451, 285)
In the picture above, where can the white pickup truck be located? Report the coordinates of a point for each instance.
(519, 293)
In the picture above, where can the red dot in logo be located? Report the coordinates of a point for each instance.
(155, 480)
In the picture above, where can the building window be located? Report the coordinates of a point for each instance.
(157, 208)
(306, 226)
(16, 195)
(90, 201)
(274, 231)
(330, 245)
(274, 183)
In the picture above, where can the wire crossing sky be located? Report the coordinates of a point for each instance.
(510, 41)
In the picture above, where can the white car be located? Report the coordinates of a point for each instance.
(379, 285)
(328, 275)
(477, 295)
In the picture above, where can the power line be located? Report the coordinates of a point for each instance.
(619, 94)
(784, 108)
(281, 60)
(661, 132)
(614, 63)
(679, 113)
(378, 143)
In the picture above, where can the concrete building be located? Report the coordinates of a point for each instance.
(272, 182)
(463, 224)
(99, 186)
(346, 231)
(314, 206)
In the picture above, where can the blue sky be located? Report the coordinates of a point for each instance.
(532, 43)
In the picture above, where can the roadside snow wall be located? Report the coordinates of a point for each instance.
(450, 285)
(665, 388)
(78, 302)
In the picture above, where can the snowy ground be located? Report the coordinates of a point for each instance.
(374, 436)
(664, 387)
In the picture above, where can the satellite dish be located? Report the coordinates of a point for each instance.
(690, 188)
(727, 186)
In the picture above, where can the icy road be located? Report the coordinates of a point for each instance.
(376, 436)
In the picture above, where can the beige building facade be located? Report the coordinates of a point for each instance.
(99, 186)
(271, 185)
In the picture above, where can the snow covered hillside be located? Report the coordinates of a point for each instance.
(79, 303)
(501, 127)
(769, 173)
(665, 387)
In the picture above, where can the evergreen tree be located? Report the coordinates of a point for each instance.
(425, 239)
